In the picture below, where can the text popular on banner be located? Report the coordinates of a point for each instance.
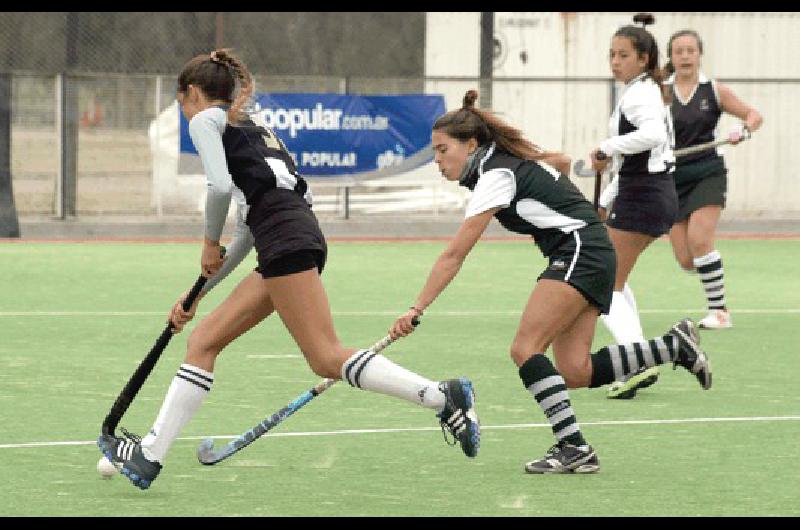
(335, 135)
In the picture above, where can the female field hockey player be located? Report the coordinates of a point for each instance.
(240, 157)
(646, 203)
(696, 104)
(511, 180)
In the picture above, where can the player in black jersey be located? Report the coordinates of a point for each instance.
(696, 104)
(274, 216)
(513, 181)
(646, 204)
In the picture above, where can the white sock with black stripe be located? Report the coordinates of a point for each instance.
(185, 395)
(371, 371)
(709, 267)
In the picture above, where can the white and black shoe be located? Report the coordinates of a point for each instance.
(459, 416)
(716, 319)
(564, 457)
(690, 356)
(126, 455)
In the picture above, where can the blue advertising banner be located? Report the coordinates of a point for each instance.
(334, 135)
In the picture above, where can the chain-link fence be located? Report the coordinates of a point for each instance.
(87, 87)
(273, 43)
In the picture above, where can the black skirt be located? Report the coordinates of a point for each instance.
(286, 234)
(646, 203)
(699, 184)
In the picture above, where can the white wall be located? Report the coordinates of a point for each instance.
(573, 116)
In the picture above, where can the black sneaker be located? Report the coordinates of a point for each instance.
(126, 455)
(690, 356)
(564, 457)
(458, 415)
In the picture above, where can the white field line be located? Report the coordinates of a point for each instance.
(776, 311)
(416, 429)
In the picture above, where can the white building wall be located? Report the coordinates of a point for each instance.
(573, 116)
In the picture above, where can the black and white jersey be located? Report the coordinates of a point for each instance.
(639, 137)
(242, 162)
(695, 118)
(255, 159)
(535, 199)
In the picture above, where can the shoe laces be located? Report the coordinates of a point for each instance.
(445, 429)
(677, 350)
(135, 438)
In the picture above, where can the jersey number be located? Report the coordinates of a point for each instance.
(270, 140)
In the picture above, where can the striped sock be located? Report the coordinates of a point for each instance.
(541, 378)
(709, 267)
(368, 370)
(185, 395)
(614, 363)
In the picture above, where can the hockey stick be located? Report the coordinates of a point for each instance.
(645, 19)
(702, 147)
(208, 456)
(581, 170)
(141, 374)
(598, 178)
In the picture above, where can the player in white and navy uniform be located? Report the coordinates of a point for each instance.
(512, 181)
(646, 203)
(242, 157)
(696, 104)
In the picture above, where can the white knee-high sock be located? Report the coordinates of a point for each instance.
(630, 298)
(622, 321)
(184, 397)
(370, 371)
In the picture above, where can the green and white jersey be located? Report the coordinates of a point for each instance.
(536, 200)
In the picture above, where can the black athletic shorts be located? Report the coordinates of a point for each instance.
(702, 183)
(287, 235)
(646, 203)
(586, 260)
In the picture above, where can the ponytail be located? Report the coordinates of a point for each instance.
(483, 125)
(242, 75)
(217, 75)
(644, 43)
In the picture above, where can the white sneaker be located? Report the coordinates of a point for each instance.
(716, 319)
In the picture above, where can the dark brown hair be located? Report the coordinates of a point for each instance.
(483, 125)
(216, 75)
(644, 43)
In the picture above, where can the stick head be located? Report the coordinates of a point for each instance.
(645, 19)
(580, 170)
(205, 451)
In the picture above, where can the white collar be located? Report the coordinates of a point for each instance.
(637, 78)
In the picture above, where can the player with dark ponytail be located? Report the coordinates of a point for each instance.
(246, 160)
(646, 204)
(515, 181)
